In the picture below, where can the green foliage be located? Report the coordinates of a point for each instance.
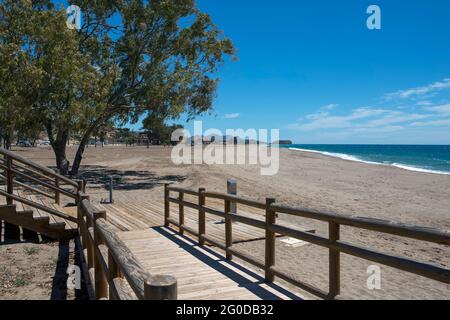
(31, 250)
(20, 282)
(130, 57)
(158, 132)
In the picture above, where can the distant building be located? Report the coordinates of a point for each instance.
(282, 142)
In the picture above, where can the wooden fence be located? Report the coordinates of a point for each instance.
(30, 176)
(333, 243)
(109, 261)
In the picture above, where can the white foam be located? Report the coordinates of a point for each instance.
(353, 158)
(411, 168)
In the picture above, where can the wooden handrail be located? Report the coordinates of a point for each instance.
(181, 190)
(236, 199)
(38, 206)
(32, 177)
(37, 181)
(33, 172)
(333, 242)
(385, 226)
(121, 261)
(35, 190)
(28, 187)
(44, 169)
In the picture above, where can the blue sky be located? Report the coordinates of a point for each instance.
(315, 71)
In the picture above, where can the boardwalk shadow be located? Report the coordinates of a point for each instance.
(255, 287)
(60, 277)
(59, 284)
(125, 180)
(10, 234)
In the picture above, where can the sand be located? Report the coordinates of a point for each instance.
(32, 270)
(304, 180)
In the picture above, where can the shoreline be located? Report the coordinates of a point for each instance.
(349, 157)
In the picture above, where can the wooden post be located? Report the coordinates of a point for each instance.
(166, 205)
(181, 213)
(228, 230)
(90, 245)
(114, 273)
(270, 241)
(160, 288)
(82, 225)
(80, 187)
(111, 186)
(334, 261)
(57, 193)
(201, 216)
(232, 190)
(101, 283)
(9, 180)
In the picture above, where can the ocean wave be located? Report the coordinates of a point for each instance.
(411, 168)
(354, 158)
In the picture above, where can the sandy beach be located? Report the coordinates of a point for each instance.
(304, 180)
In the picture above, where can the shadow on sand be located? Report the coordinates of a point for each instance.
(125, 180)
(11, 234)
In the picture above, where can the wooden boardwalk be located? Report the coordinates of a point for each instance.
(201, 272)
(132, 216)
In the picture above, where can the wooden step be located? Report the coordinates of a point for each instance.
(42, 220)
(26, 213)
(40, 224)
(58, 226)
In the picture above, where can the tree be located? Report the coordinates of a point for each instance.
(161, 55)
(49, 83)
(157, 130)
(128, 58)
(15, 71)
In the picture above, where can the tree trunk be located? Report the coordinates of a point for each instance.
(7, 142)
(59, 148)
(61, 159)
(80, 151)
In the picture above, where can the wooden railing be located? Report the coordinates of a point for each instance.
(20, 172)
(109, 261)
(110, 265)
(333, 243)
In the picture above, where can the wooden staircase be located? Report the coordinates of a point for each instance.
(32, 221)
(24, 197)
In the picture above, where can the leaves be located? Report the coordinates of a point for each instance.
(130, 57)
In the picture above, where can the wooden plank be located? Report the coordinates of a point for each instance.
(199, 276)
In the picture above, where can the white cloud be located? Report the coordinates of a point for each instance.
(330, 106)
(323, 120)
(381, 129)
(232, 115)
(370, 120)
(419, 91)
(424, 103)
(432, 123)
(443, 109)
(397, 117)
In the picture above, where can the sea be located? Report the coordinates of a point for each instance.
(422, 158)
